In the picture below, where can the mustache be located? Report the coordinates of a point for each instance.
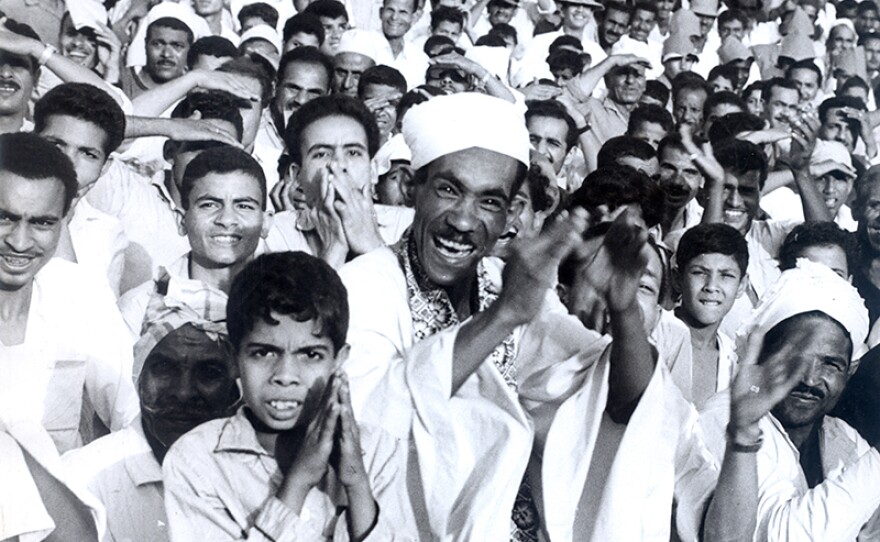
(803, 389)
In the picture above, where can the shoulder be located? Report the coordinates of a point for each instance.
(189, 451)
(380, 264)
(88, 462)
(69, 281)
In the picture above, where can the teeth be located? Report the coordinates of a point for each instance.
(225, 239)
(733, 214)
(17, 261)
(452, 246)
(284, 405)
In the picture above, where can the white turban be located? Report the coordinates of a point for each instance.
(448, 124)
(809, 287)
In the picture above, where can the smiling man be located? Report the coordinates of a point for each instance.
(18, 76)
(50, 355)
(223, 197)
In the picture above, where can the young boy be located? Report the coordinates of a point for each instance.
(288, 465)
(712, 261)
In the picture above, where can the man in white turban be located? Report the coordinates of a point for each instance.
(817, 478)
(428, 314)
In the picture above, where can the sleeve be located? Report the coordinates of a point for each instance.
(196, 511)
(834, 510)
(115, 269)
(109, 379)
(112, 190)
(696, 475)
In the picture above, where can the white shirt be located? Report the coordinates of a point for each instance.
(835, 510)
(533, 65)
(412, 62)
(99, 243)
(75, 341)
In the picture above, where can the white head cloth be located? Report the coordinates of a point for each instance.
(448, 124)
(809, 287)
(361, 42)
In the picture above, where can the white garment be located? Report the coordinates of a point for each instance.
(533, 65)
(75, 341)
(485, 434)
(836, 509)
(785, 204)
(412, 62)
(99, 243)
(660, 456)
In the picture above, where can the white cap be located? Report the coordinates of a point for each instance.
(809, 287)
(831, 156)
(361, 42)
(263, 32)
(447, 124)
(87, 13)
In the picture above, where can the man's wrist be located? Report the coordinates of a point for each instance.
(744, 439)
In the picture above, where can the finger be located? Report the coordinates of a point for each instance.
(754, 344)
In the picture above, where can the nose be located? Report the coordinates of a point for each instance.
(285, 372)
(5, 70)
(226, 216)
(462, 218)
(711, 283)
(348, 82)
(301, 97)
(186, 387)
(734, 199)
(20, 239)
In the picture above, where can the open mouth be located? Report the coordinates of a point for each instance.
(734, 215)
(16, 262)
(226, 239)
(9, 87)
(453, 250)
(284, 409)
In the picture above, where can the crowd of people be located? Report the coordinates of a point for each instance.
(458, 270)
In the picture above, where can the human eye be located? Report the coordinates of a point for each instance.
(356, 153)
(211, 371)
(44, 223)
(446, 189)
(493, 204)
(314, 355)
(246, 206)
(208, 204)
(260, 352)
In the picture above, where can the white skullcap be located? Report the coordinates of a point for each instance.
(137, 54)
(394, 150)
(263, 32)
(494, 59)
(808, 287)
(448, 124)
(87, 13)
(361, 42)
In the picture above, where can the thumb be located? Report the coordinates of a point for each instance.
(196, 115)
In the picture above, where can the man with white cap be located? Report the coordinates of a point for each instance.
(832, 170)
(429, 308)
(263, 40)
(817, 478)
(679, 55)
(356, 53)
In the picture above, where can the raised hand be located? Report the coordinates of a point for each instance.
(355, 209)
(109, 51)
(704, 158)
(532, 266)
(347, 458)
(804, 129)
(328, 224)
(233, 83)
(758, 388)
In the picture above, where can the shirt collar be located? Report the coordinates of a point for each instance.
(143, 468)
(238, 435)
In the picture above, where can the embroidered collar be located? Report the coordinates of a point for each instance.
(432, 311)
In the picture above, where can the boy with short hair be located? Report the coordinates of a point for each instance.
(712, 260)
(288, 465)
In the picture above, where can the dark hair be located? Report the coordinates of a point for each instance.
(811, 234)
(489, 40)
(381, 75)
(87, 103)
(213, 104)
(566, 41)
(30, 156)
(306, 55)
(713, 239)
(723, 97)
(215, 46)
(222, 159)
(644, 5)
(853, 81)
(866, 5)
(620, 146)
(740, 157)
(732, 124)
(650, 113)
(172, 23)
(688, 87)
(331, 9)
(303, 23)
(504, 30)
(254, 67)
(775, 339)
(657, 90)
(733, 14)
(25, 30)
(757, 86)
(420, 94)
(538, 185)
(868, 36)
(293, 284)
(437, 41)
(805, 64)
(725, 71)
(616, 185)
(448, 14)
(615, 5)
(555, 110)
(260, 10)
(328, 106)
(673, 141)
(687, 79)
(840, 102)
(774, 82)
